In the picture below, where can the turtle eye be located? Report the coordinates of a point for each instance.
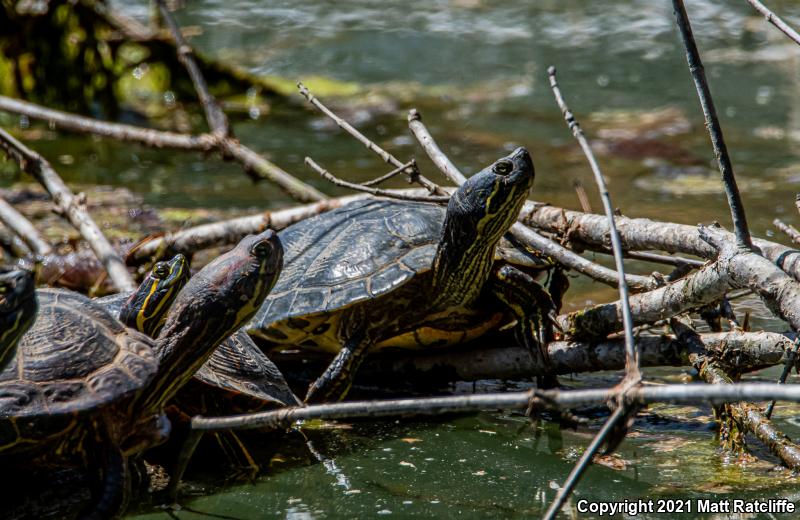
(261, 250)
(161, 270)
(503, 167)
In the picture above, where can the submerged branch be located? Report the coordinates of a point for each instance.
(747, 416)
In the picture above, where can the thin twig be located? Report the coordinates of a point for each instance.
(790, 230)
(412, 172)
(69, 206)
(631, 357)
(22, 227)
(714, 129)
(775, 20)
(583, 198)
(372, 191)
(432, 149)
(397, 171)
(583, 464)
(656, 258)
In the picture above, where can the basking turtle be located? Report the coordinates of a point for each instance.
(378, 273)
(84, 388)
(236, 366)
(17, 309)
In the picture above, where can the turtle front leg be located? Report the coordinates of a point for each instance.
(532, 307)
(337, 379)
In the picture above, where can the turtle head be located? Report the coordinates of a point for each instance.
(486, 205)
(146, 309)
(214, 303)
(17, 309)
(478, 214)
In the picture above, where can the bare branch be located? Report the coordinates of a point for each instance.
(704, 286)
(642, 394)
(632, 359)
(775, 20)
(373, 191)
(226, 232)
(22, 227)
(386, 156)
(788, 229)
(217, 120)
(790, 363)
(254, 165)
(67, 204)
(397, 171)
(639, 234)
(432, 149)
(714, 129)
(122, 132)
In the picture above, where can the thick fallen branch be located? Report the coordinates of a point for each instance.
(745, 269)
(226, 232)
(742, 351)
(641, 234)
(69, 206)
(695, 290)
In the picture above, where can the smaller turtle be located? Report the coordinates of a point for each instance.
(84, 389)
(237, 366)
(17, 309)
(238, 377)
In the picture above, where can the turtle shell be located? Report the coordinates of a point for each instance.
(348, 255)
(75, 359)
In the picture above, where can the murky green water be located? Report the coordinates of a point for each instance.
(476, 70)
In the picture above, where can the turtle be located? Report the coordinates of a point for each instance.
(237, 366)
(17, 309)
(83, 388)
(382, 273)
